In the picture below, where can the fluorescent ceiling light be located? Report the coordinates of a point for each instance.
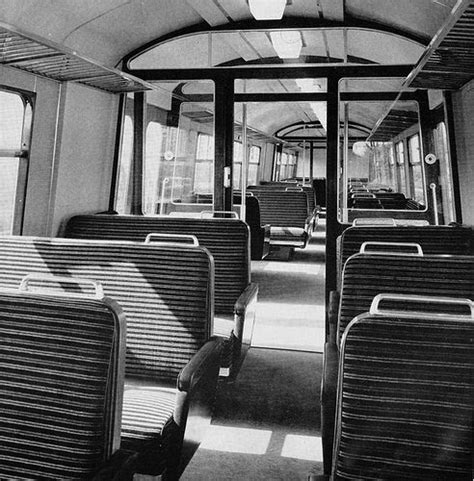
(287, 43)
(267, 9)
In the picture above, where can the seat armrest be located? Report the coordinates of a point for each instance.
(248, 296)
(244, 311)
(204, 363)
(266, 229)
(333, 312)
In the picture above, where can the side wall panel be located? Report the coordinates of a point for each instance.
(464, 118)
(84, 151)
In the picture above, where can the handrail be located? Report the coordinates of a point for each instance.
(98, 289)
(419, 250)
(172, 238)
(376, 310)
(363, 195)
(294, 189)
(227, 212)
(369, 221)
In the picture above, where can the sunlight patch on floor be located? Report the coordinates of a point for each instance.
(237, 440)
(308, 448)
(312, 313)
(289, 337)
(275, 266)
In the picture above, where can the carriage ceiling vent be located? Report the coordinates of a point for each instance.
(42, 57)
(448, 61)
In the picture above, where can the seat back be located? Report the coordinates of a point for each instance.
(432, 239)
(405, 397)
(282, 208)
(165, 292)
(228, 240)
(62, 368)
(366, 275)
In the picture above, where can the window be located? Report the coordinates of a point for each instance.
(254, 162)
(284, 166)
(123, 201)
(237, 165)
(416, 170)
(15, 122)
(446, 176)
(154, 141)
(204, 169)
(401, 177)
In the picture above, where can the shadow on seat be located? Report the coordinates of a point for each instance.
(62, 375)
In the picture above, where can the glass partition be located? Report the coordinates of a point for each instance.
(382, 173)
(178, 170)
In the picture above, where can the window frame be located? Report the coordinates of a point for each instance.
(23, 155)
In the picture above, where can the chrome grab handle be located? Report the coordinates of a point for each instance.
(368, 221)
(232, 214)
(419, 250)
(363, 195)
(98, 289)
(376, 310)
(184, 239)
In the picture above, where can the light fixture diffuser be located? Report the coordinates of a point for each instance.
(287, 43)
(267, 9)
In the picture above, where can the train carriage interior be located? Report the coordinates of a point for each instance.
(240, 233)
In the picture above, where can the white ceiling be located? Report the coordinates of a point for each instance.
(107, 30)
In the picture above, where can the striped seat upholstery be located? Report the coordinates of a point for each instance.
(405, 399)
(432, 239)
(283, 209)
(61, 378)
(166, 294)
(228, 240)
(366, 275)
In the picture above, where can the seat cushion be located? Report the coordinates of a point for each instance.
(148, 426)
(294, 236)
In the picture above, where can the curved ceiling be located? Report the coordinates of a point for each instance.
(108, 30)
(378, 31)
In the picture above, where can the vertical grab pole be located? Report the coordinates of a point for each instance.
(435, 203)
(245, 160)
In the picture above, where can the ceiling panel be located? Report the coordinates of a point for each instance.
(420, 17)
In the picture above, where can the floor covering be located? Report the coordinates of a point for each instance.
(266, 424)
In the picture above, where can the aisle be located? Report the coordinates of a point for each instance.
(266, 425)
(290, 311)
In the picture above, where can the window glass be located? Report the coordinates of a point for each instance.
(416, 169)
(178, 165)
(154, 152)
(254, 162)
(122, 201)
(204, 169)
(14, 113)
(446, 176)
(237, 166)
(401, 177)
